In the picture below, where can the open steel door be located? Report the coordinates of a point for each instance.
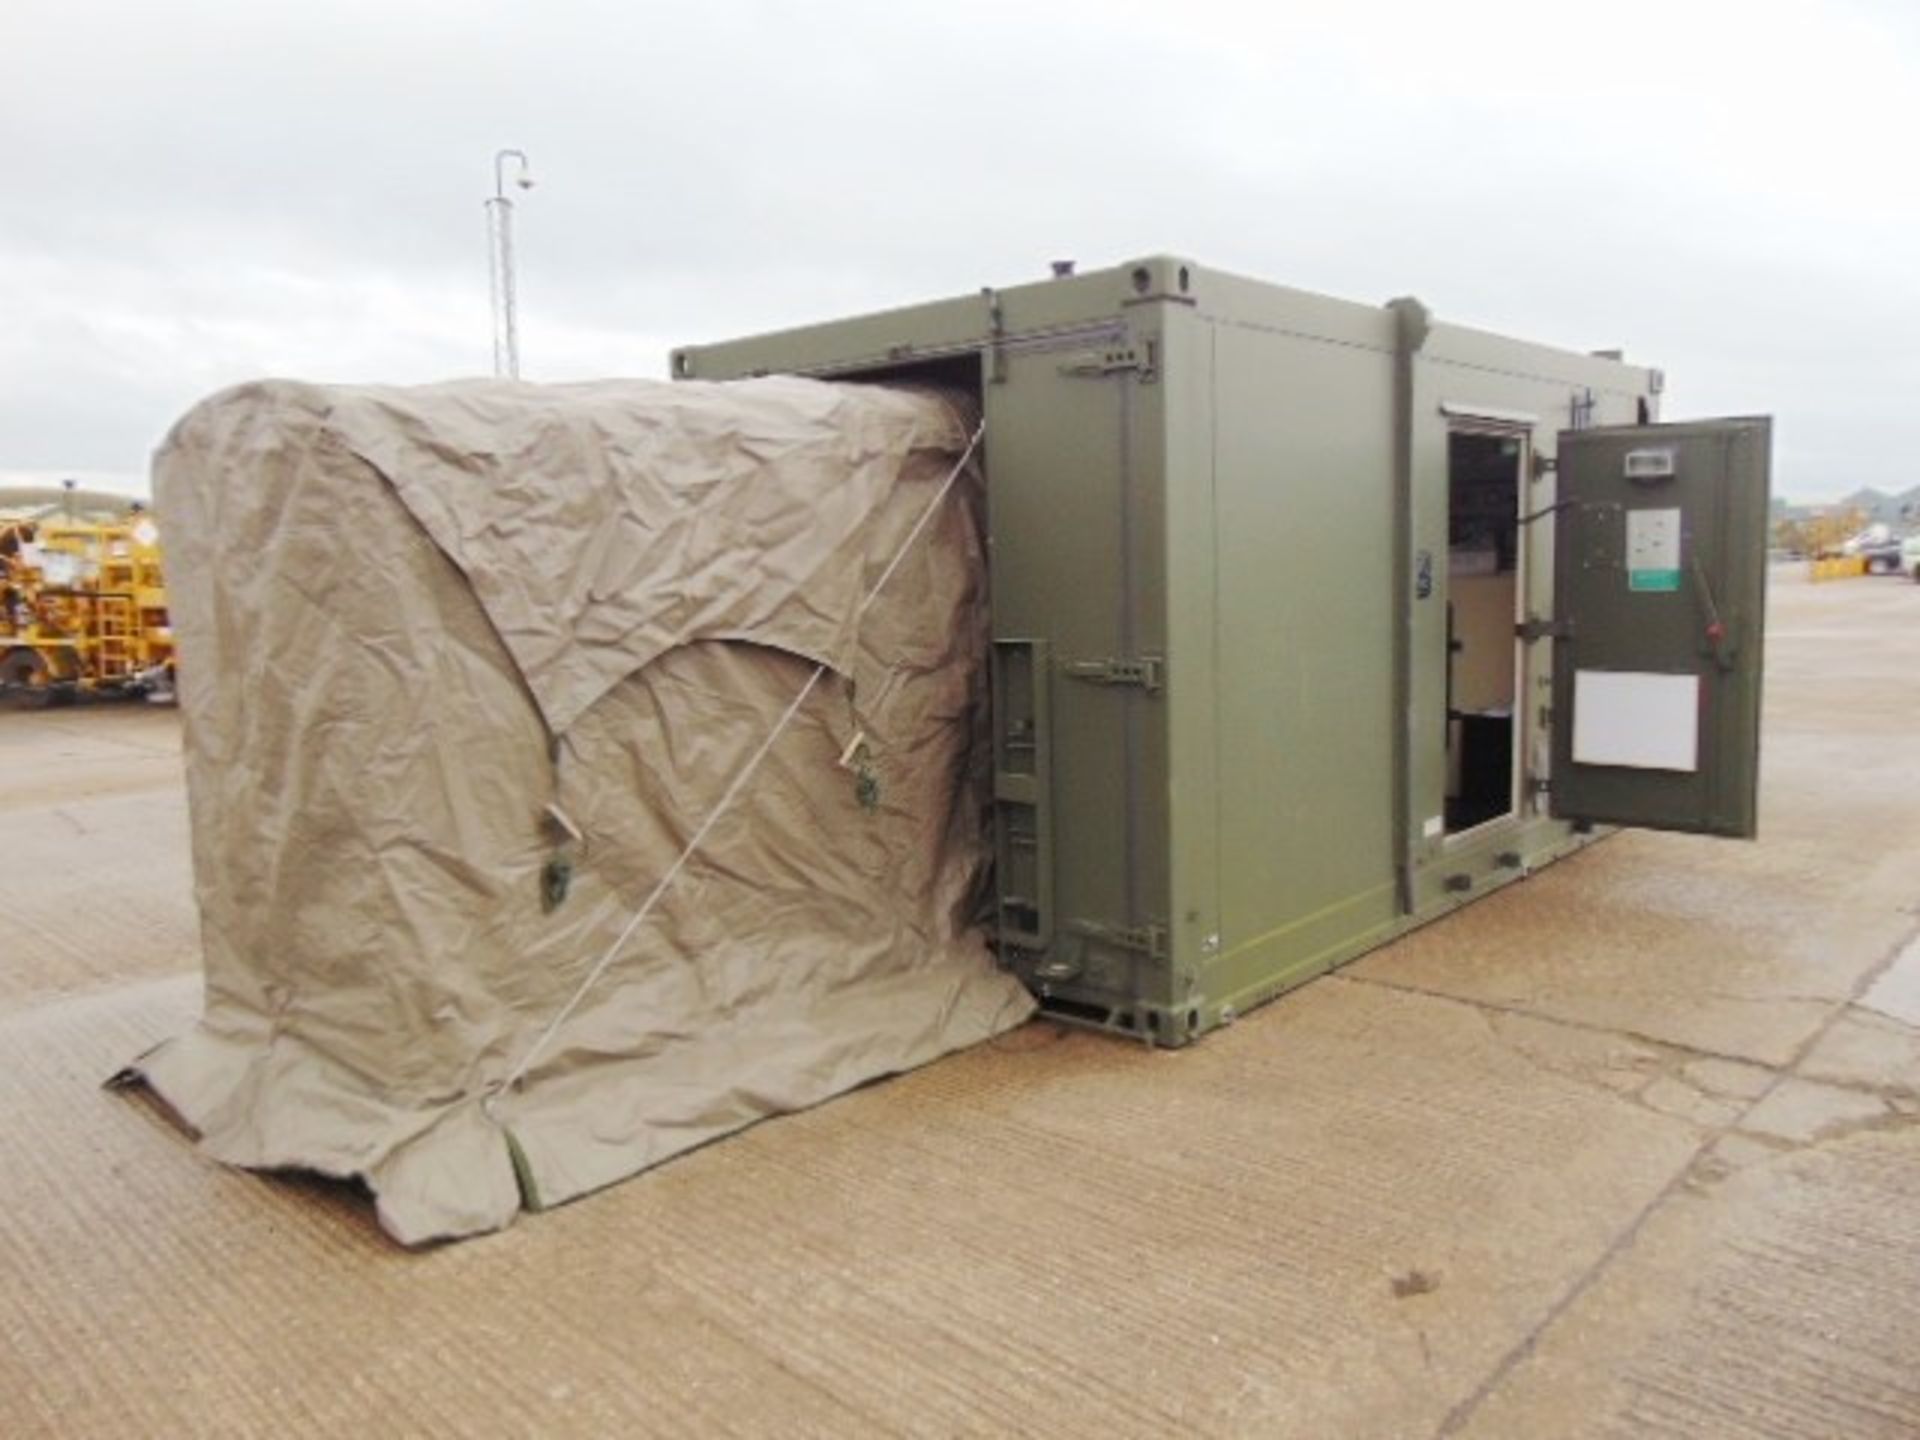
(1660, 572)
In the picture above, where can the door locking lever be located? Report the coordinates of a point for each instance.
(1716, 627)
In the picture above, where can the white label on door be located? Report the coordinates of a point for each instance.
(1653, 550)
(1631, 718)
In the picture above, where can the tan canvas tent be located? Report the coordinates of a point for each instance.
(464, 670)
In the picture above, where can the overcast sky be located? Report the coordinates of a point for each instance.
(199, 193)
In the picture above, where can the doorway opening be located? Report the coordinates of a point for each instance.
(1485, 590)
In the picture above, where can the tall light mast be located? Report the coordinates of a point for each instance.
(500, 279)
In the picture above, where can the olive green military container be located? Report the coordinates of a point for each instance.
(1314, 620)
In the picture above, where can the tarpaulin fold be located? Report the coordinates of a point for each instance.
(435, 641)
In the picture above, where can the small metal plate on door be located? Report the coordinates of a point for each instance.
(1649, 467)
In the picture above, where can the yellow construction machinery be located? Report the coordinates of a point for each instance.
(83, 607)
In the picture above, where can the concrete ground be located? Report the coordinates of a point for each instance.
(1630, 1149)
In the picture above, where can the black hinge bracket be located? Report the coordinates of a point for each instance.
(996, 337)
(1148, 672)
(1531, 630)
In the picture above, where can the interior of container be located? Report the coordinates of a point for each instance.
(1485, 587)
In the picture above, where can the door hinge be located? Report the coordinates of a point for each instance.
(1147, 671)
(1531, 630)
(996, 336)
(1142, 359)
(1150, 939)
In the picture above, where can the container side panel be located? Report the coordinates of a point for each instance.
(1303, 494)
(1236, 302)
(1075, 539)
(1559, 371)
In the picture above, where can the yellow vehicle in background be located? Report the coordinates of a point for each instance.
(83, 607)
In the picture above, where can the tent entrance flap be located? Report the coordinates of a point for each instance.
(619, 602)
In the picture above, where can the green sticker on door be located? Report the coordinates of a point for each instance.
(1653, 550)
